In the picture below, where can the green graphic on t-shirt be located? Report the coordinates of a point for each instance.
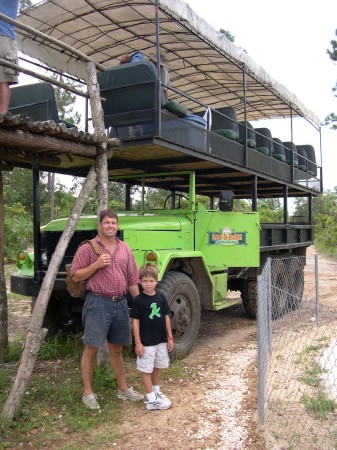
(155, 310)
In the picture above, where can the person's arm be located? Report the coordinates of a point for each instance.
(139, 346)
(86, 272)
(134, 290)
(170, 343)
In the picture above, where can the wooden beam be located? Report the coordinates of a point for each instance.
(23, 156)
(29, 141)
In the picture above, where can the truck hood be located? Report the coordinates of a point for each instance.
(159, 222)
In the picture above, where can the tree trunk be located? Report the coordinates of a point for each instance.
(3, 291)
(35, 334)
(51, 193)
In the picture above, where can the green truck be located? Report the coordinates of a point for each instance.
(201, 254)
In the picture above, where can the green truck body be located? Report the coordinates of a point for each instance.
(193, 247)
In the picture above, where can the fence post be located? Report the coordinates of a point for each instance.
(317, 289)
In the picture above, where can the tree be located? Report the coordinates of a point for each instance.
(332, 117)
(228, 35)
(65, 100)
(270, 210)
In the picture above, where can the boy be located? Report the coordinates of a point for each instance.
(153, 336)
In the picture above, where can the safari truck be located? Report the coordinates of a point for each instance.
(219, 139)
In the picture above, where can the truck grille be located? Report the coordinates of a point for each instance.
(51, 238)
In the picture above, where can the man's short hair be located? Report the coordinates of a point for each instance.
(148, 270)
(107, 213)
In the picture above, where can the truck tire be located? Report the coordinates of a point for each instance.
(279, 291)
(249, 296)
(183, 298)
(279, 288)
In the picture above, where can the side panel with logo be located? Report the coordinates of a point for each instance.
(228, 239)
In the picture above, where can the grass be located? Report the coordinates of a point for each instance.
(317, 402)
(51, 412)
(320, 405)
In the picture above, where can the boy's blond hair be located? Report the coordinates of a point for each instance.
(148, 270)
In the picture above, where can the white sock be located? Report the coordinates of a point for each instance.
(156, 389)
(151, 397)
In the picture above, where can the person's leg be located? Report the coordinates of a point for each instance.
(87, 368)
(4, 97)
(147, 382)
(117, 365)
(155, 377)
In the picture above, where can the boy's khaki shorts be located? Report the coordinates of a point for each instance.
(155, 356)
(9, 52)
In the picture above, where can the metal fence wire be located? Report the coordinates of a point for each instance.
(297, 352)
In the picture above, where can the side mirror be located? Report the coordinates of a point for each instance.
(226, 201)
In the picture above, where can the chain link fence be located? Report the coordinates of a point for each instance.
(297, 351)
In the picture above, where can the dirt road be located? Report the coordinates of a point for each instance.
(216, 407)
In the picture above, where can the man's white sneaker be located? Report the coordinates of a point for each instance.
(161, 402)
(90, 401)
(130, 394)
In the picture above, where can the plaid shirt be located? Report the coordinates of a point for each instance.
(114, 279)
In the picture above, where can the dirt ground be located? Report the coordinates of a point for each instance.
(213, 408)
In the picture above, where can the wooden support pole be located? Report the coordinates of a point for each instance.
(98, 122)
(3, 292)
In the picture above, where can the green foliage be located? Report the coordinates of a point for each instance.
(18, 230)
(270, 210)
(65, 100)
(228, 35)
(324, 213)
(332, 118)
(60, 346)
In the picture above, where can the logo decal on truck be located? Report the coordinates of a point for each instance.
(226, 236)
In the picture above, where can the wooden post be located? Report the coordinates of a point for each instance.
(35, 333)
(98, 122)
(3, 292)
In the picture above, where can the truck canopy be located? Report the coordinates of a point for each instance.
(202, 62)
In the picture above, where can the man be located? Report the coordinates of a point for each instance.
(8, 51)
(105, 312)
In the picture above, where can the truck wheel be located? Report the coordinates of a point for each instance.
(279, 288)
(296, 283)
(249, 296)
(183, 298)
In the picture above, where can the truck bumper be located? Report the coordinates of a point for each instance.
(27, 287)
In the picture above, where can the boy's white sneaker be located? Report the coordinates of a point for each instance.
(160, 402)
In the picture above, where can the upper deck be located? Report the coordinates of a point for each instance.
(206, 71)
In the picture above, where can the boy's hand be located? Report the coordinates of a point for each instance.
(139, 349)
(170, 345)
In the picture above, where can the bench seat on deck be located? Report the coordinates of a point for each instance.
(36, 101)
(130, 94)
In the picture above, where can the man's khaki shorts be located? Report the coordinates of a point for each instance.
(9, 52)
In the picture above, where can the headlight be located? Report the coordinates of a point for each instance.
(44, 259)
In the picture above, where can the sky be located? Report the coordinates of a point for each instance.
(289, 40)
